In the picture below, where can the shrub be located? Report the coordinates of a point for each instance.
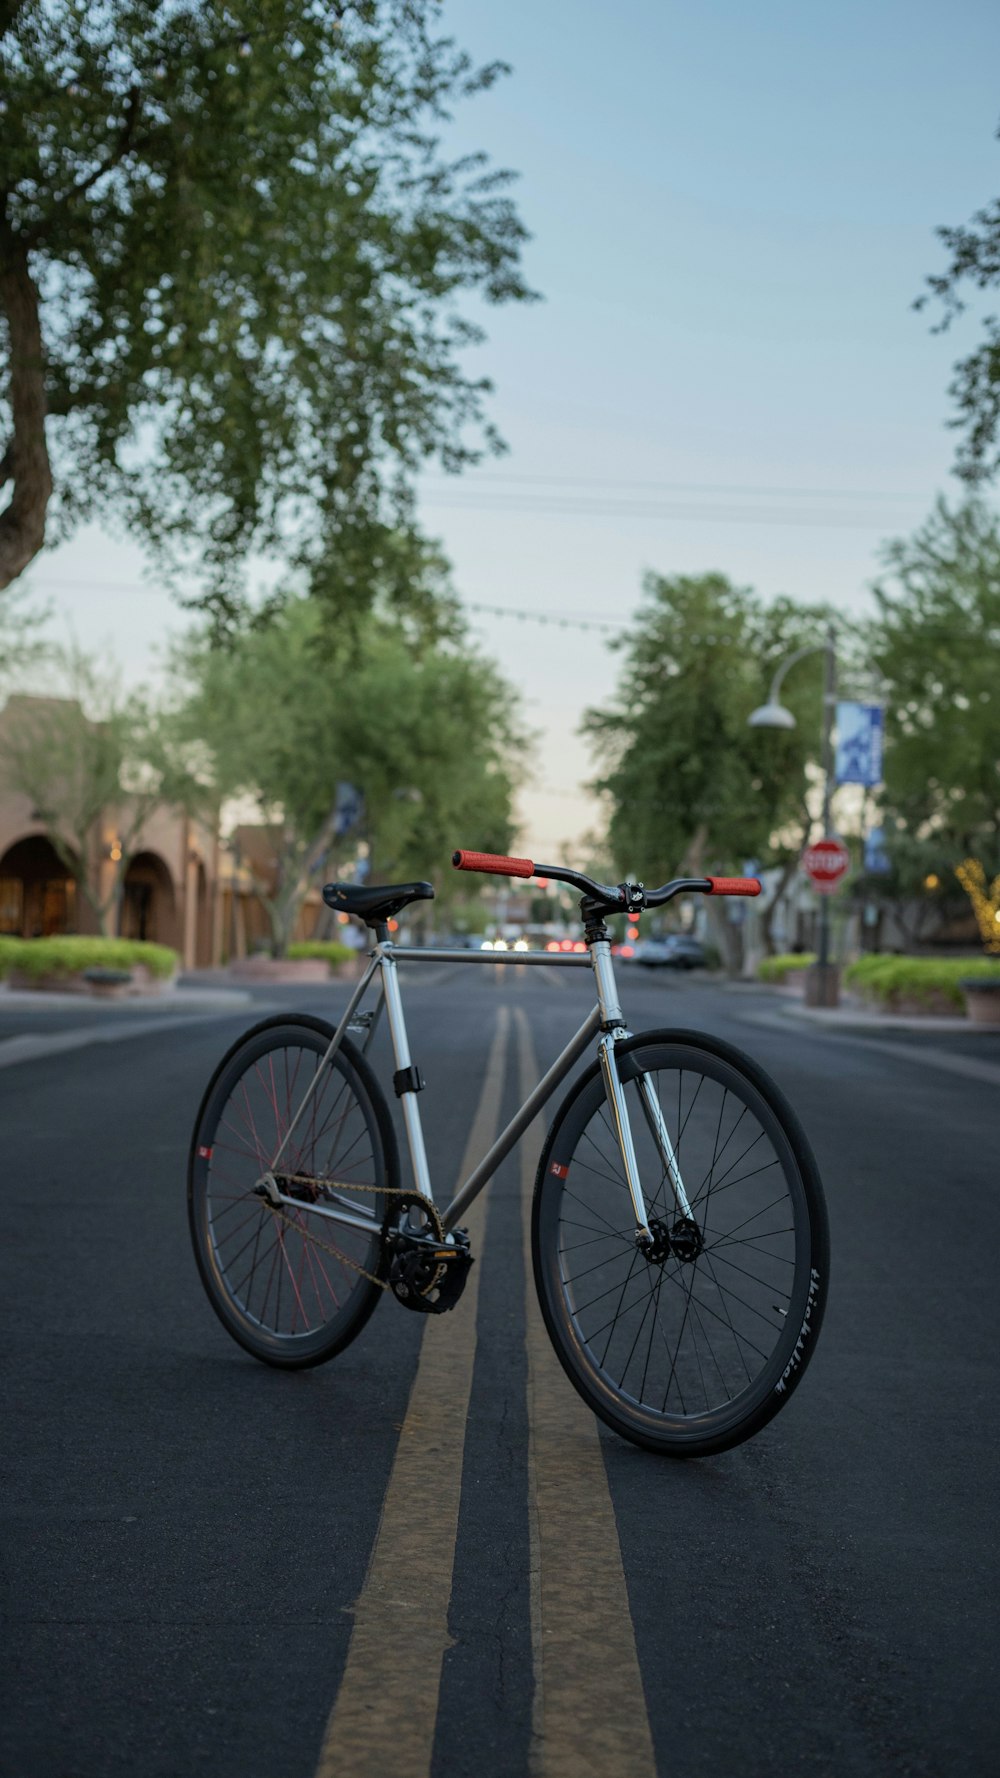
(775, 969)
(889, 979)
(328, 951)
(70, 955)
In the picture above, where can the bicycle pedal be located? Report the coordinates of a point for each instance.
(429, 1279)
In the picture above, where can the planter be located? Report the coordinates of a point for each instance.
(982, 1001)
(97, 982)
(280, 969)
(822, 984)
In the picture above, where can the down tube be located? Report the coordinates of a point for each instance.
(521, 1119)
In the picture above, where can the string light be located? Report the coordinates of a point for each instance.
(547, 618)
(985, 901)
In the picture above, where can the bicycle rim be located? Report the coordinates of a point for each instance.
(697, 1350)
(292, 1288)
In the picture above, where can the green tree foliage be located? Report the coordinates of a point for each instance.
(425, 729)
(692, 787)
(936, 639)
(974, 265)
(233, 264)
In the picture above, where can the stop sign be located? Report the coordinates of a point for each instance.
(825, 863)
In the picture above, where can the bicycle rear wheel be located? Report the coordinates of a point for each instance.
(294, 1287)
(693, 1349)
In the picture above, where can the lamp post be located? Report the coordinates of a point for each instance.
(774, 715)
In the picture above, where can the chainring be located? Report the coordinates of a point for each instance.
(428, 1272)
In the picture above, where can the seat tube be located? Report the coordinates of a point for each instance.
(401, 1051)
(612, 1028)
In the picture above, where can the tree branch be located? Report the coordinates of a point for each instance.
(117, 152)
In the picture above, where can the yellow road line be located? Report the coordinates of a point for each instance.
(385, 1712)
(589, 1716)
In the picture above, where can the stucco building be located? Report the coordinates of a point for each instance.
(183, 887)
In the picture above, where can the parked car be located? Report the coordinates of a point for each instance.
(676, 950)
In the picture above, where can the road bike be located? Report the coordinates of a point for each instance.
(679, 1231)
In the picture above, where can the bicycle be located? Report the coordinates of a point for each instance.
(681, 1255)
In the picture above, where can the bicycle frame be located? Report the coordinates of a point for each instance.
(605, 1022)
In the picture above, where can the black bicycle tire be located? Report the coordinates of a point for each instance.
(365, 1298)
(778, 1381)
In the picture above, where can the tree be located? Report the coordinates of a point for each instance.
(936, 639)
(692, 787)
(93, 762)
(975, 389)
(232, 255)
(423, 729)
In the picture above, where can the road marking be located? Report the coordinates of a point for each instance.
(385, 1713)
(35, 1047)
(589, 1716)
(945, 1060)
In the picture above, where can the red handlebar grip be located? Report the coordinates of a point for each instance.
(493, 862)
(734, 886)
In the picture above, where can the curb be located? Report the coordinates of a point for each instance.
(177, 1000)
(858, 1020)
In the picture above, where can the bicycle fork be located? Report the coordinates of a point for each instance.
(613, 1031)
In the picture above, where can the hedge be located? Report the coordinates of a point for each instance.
(775, 969)
(886, 979)
(71, 956)
(328, 951)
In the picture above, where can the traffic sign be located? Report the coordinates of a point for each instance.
(825, 863)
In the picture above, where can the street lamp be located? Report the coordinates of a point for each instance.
(774, 715)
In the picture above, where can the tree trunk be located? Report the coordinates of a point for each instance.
(692, 864)
(788, 870)
(25, 461)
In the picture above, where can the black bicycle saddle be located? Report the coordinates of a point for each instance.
(375, 902)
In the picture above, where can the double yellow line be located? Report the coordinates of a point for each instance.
(589, 1713)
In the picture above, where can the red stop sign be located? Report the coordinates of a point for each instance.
(825, 863)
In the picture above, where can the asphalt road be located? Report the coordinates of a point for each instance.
(424, 1557)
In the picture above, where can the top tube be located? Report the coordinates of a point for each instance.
(422, 954)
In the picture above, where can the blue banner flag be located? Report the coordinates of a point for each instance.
(348, 809)
(859, 744)
(876, 857)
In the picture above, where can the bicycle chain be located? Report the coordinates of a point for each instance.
(389, 1191)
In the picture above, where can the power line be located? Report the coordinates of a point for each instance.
(569, 506)
(750, 490)
(555, 619)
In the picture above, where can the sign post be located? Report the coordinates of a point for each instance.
(825, 864)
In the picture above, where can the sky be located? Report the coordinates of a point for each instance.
(732, 210)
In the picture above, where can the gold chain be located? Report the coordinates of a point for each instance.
(390, 1191)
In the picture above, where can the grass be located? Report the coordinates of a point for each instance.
(68, 955)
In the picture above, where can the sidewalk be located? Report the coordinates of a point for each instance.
(172, 1000)
(852, 1014)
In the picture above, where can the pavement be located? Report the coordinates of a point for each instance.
(213, 1567)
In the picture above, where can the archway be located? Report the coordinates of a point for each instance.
(149, 905)
(37, 893)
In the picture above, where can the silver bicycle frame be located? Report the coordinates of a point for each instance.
(605, 1021)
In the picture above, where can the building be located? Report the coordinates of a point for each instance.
(184, 887)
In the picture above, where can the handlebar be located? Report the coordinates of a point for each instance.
(612, 898)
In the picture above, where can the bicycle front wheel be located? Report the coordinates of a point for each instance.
(693, 1347)
(293, 1287)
